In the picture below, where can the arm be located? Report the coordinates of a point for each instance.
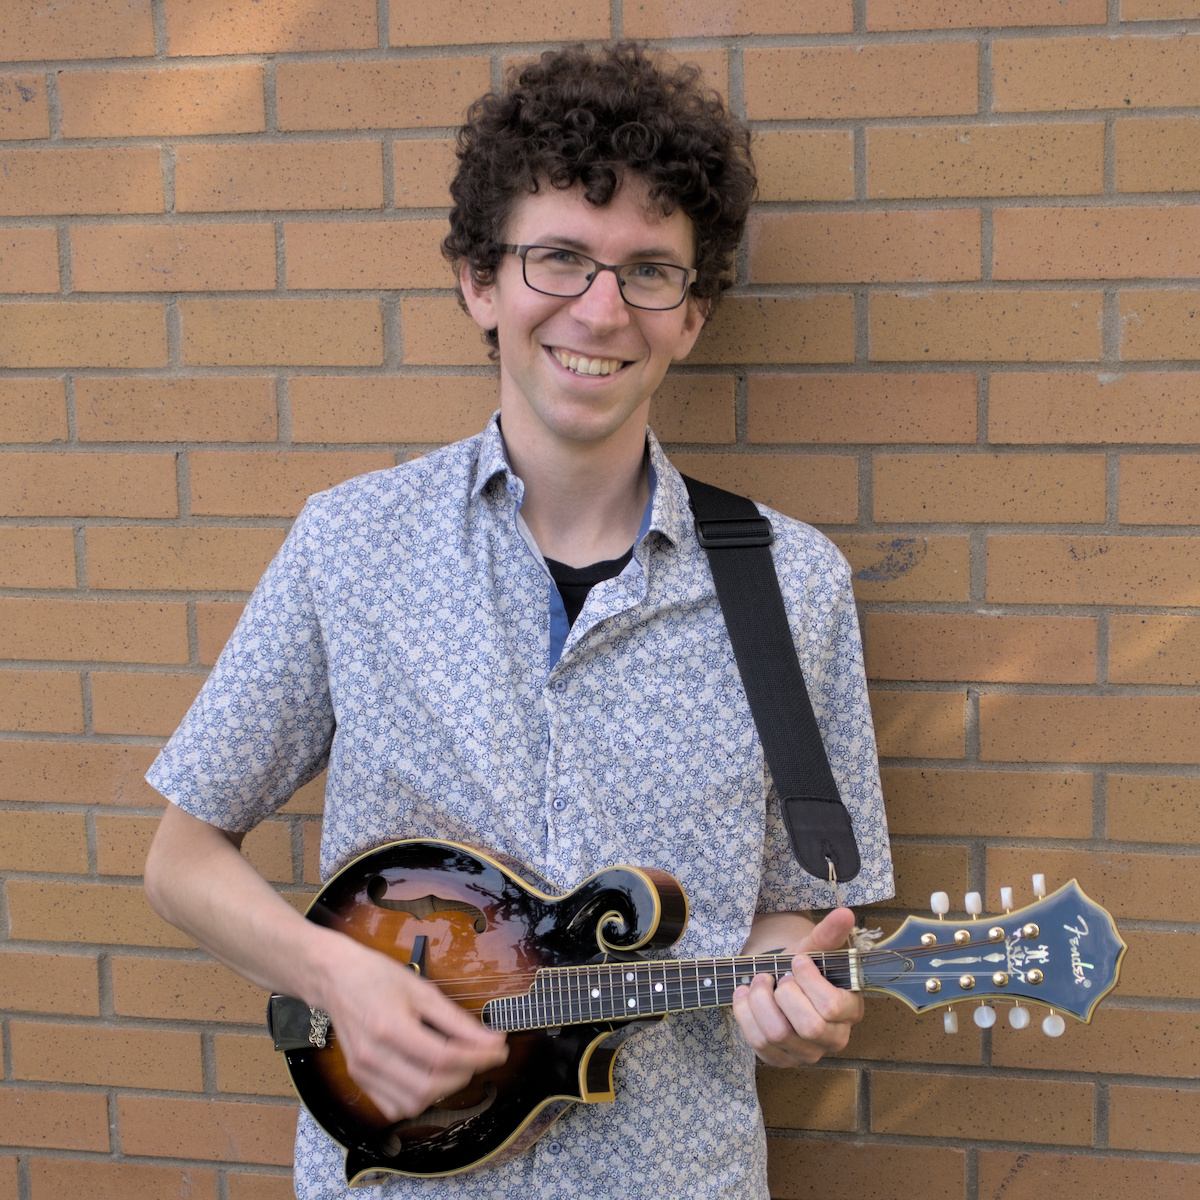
(405, 1043)
(802, 1017)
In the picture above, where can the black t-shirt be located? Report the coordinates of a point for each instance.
(574, 583)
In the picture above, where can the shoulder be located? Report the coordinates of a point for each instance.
(801, 550)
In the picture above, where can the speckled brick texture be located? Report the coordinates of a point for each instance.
(962, 339)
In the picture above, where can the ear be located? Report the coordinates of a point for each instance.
(479, 300)
(695, 313)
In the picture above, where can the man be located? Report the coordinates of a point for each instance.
(514, 642)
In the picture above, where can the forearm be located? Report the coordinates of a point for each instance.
(776, 931)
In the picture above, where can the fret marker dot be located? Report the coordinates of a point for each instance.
(633, 1003)
(658, 987)
(595, 993)
(708, 983)
(628, 976)
(745, 978)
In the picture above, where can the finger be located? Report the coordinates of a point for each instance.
(831, 1003)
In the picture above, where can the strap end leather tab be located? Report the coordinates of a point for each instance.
(820, 833)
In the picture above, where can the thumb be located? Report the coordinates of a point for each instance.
(831, 932)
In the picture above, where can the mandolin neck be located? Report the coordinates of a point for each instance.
(648, 987)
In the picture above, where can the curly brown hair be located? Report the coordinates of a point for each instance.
(580, 116)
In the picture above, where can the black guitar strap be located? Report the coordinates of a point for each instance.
(737, 538)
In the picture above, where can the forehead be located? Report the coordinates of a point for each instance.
(628, 225)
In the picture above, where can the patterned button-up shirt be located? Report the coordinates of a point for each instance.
(403, 636)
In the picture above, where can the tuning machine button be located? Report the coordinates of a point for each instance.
(984, 1016)
(1039, 886)
(1018, 1017)
(950, 1021)
(939, 902)
(1006, 899)
(1053, 1025)
(973, 903)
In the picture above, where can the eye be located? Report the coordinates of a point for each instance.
(555, 256)
(648, 272)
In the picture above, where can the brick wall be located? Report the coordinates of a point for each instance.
(963, 342)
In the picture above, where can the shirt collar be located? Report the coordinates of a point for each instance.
(491, 459)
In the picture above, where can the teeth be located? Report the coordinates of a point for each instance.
(582, 365)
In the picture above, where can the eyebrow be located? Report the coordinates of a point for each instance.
(654, 253)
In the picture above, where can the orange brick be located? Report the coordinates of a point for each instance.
(1161, 155)
(1153, 808)
(421, 169)
(1160, 965)
(36, 557)
(904, 79)
(253, 27)
(436, 332)
(284, 176)
(778, 329)
(333, 333)
(865, 1170)
(986, 160)
(191, 990)
(1001, 326)
(88, 485)
(180, 101)
(818, 488)
(366, 254)
(122, 844)
(694, 408)
(220, 1131)
(335, 408)
(33, 410)
(55, 1119)
(140, 703)
(393, 94)
(49, 983)
(106, 334)
(1118, 1041)
(1147, 1118)
(259, 1186)
(1149, 729)
(973, 14)
(516, 21)
(8, 1177)
(269, 847)
(1159, 489)
(81, 181)
(312, 848)
(172, 258)
(1096, 243)
(719, 18)
(41, 702)
(929, 407)
(107, 914)
(1083, 407)
(141, 1058)
(866, 247)
(804, 164)
(256, 483)
(821, 1099)
(24, 111)
(1027, 1176)
(1158, 10)
(208, 409)
(1079, 569)
(982, 803)
(97, 1179)
(908, 568)
(35, 841)
(919, 724)
(205, 559)
(107, 631)
(215, 621)
(923, 870)
(76, 773)
(1158, 325)
(249, 1063)
(78, 29)
(889, 1032)
(964, 647)
(989, 487)
(1032, 74)
(28, 260)
(1034, 1110)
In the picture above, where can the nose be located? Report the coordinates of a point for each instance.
(602, 307)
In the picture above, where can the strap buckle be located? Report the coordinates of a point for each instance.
(731, 533)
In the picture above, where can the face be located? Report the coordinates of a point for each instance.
(582, 370)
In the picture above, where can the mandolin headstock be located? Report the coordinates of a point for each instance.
(1062, 952)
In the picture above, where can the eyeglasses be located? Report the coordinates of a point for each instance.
(554, 271)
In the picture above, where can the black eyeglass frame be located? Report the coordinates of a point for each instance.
(615, 268)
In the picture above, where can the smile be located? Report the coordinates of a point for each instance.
(580, 364)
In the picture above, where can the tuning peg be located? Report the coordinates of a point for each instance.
(1018, 1017)
(1039, 886)
(973, 903)
(984, 1016)
(940, 903)
(1006, 899)
(950, 1021)
(1053, 1025)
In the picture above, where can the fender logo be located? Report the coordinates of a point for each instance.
(1078, 966)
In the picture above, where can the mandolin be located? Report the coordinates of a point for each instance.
(566, 978)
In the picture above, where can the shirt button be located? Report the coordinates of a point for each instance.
(559, 803)
(560, 686)
(554, 1147)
